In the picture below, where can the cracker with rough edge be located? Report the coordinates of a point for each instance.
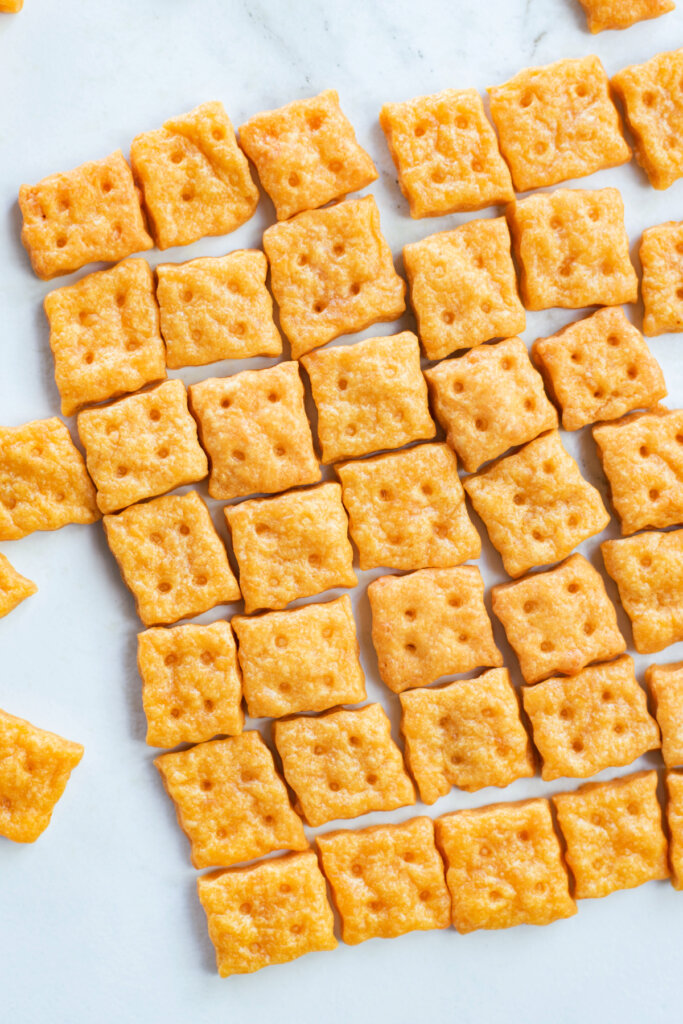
(661, 257)
(665, 683)
(620, 14)
(674, 817)
(14, 588)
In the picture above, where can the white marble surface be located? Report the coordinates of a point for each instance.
(99, 920)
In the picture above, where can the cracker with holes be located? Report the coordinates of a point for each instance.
(230, 801)
(104, 335)
(619, 14)
(43, 481)
(306, 154)
(572, 249)
(504, 866)
(560, 620)
(446, 153)
(665, 683)
(14, 588)
(386, 880)
(463, 287)
(407, 509)
(293, 545)
(141, 446)
(87, 215)
(216, 307)
(599, 368)
(490, 400)
(191, 683)
(430, 623)
(342, 764)
(648, 570)
(35, 766)
(332, 273)
(305, 659)
(171, 558)
(613, 833)
(558, 122)
(674, 817)
(369, 396)
(536, 505)
(466, 734)
(254, 428)
(661, 257)
(269, 913)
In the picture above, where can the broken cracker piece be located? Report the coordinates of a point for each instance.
(14, 588)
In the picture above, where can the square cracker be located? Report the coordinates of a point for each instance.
(558, 122)
(306, 154)
(572, 249)
(665, 683)
(43, 481)
(642, 456)
(386, 880)
(599, 368)
(536, 505)
(104, 335)
(332, 273)
(619, 14)
(648, 570)
(216, 307)
(87, 215)
(613, 833)
(255, 431)
(369, 396)
(407, 509)
(430, 623)
(560, 620)
(230, 801)
(674, 816)
(596, 719)
(171, 558)
(191, 683)
(141, 446)
(305, 659)
(463, 287)
(34, 769)
(446, 153)
(504, 866)
(14, 588)
(661, 257)
(490, 400)
(293, 545)
(466, 734)
(195, 179)
(342, 764)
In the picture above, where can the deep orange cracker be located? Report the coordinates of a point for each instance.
(674, 817)
(14, 588)
(665, 683)
(620, 14)
(661, 257)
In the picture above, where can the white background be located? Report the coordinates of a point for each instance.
(99, 920)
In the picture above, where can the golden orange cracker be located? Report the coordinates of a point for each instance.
(620, 14)
(332, 273)
(11, 6)
(661, 257)
(665, 683)
(14, 588)
(674, 816)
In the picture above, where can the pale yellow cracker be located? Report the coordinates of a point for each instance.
(195, 179)
(463, 287)
(141, 446)
(467, 734)
(332, 273)
(504, 866)
(34, 769)
(674, 816)
(558, 122)
(490, 400)
(430, 623)
(536, 505)
(171, 558)
(599, 368)
(619, 14)
(665, 683)
(191, 683)
(369, 396)
(648, 570)
(305, 659)
(613, 833)
(407, 509)
(661, 257)
(104, 335)
(342, 764)
(230, 801)
(217, 307)
(572, 249)
(269, 913)
(386, 880)
(446, 153)
(560, 620)
(43, 481)
(14, 588)
(306, 154)
(255, 431)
